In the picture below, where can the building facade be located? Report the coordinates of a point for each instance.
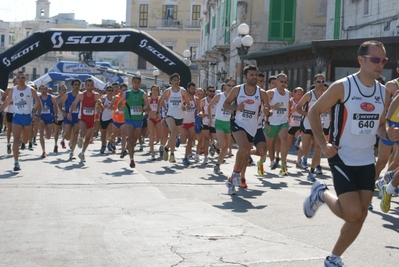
(174, 23)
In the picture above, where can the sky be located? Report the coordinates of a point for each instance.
(93, 11)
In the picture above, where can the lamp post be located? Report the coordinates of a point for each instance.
(156, 74)
(243, 42)
(186, 55)
(221, 76)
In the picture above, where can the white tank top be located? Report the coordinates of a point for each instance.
(355, 122)
(175, 103)
(280, 116)
(311, 102)
(220, 113)
(23, 100)
(189, 115)
(248, 118)
(205, 119)
(106, 114)
(295, 118)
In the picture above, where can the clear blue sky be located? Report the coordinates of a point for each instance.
(93, 11)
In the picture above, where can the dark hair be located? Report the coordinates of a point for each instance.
(76, 80)
(137, 77)
(89, 80)
(261, 74)
(381, 80)
(364, 47)
(210, 86)
(123, 85)
(281, 75)
(250, 67)
(190, 84)
(115, 83)
(109, 86)
(173, 76)
(271, 78)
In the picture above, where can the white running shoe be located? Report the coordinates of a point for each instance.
(380, 184)
(205, 160)
(314, 201)
(333, 263)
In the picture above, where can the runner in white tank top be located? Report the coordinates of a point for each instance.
(357, 105)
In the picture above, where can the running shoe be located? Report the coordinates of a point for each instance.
(371, 206)
(34, 141)
(172, 158)
(283, 172)
(161, 151)
(196, 157)
(298, 142)
(236, 179)
(311, 177)
(44, 155)
(118, 140)
(71, 156)
(8, 149)
(261, 171)
(231, 189)
(379, 185)
(304, 161)
(216, 169)
(277, 161)
(388, 176)
(298, 165)
(23, 146)
(109, 146)
(186, 162)
(63, 144)
(337, 262)
(319, 170)
(178, 140)
(250, 161)
(273, 165)
(17, 167)
(141, 148)
(212, 148)
(55, 149)
(243, 183)
(132, 164)
(30, 146)
(123, 154)
(314, 201)
(165, 154)
(102, 150)
(82, 157)
(80, 142)
(386, 200)
(152, 156)
(205, 161)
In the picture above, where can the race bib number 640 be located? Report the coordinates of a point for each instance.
(365, 124)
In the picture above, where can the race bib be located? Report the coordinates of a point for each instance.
(76, 110)
(136, 111)
(365, 124)
(247, 115)
(88, 111)
(45, 110)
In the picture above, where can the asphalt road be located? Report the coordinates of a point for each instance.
(57, 212)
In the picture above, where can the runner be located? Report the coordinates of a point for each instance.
(106, 117)
(71, 124)
(135, 100)
(48, 116)
(247, 99)
(88, 100)
(22, 97)
(154, 125)
(60, 119)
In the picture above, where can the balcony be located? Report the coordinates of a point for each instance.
(191, 24)
(168, 23)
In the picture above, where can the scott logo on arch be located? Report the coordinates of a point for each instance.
(58, 41)
(144, 44)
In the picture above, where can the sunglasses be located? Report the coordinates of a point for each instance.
(21, 77)
(320, 81)
(230, 85)
(211, 91)
(377, 60)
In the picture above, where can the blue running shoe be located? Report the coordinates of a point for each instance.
(178, 141)
(298, 142)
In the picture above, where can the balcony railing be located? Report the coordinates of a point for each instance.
(168, 23)
(191, 23)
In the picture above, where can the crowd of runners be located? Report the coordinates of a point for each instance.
(262, 119)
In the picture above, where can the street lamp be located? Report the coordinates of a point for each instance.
(156, 74)
(243, 42)
(186, 55)
(221, 76)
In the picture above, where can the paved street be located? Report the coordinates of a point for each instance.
(102, 213)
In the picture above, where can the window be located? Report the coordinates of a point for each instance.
(170, 47)
(169, 12)
(213, 22)
(141, 63)
(207, 28)
(337, 20)
(282, 20)
(143, 16)
(193, 50)
(34, 74)
(2, 40)
(45, 70)
(196, 13)
(11, 39)
(366, 7)
(234, 15)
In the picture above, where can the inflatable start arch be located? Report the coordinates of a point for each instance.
(132, 40)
